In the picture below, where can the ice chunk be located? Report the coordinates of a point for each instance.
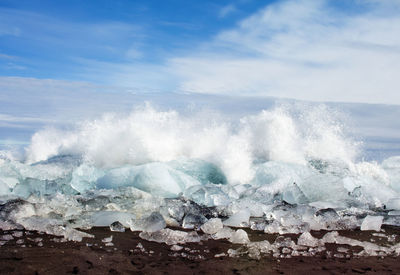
(105, 218)
(306, 239)
(117, 227)
(273, 227)
(4, 188)
(155, 178)
(282, 241)
(6, 237)
(38, 187)
(7, 225)
(84, 177)
(209, 195)
(18, 234)
(330, 237)
(175, 209)
(224, 233)
(256, 208)
(239, 219)
(279, 174)
(201, 170)
(393, 204)
(293, 194)
(394, 213)
(152, 223)
(74, 235)
(192, 221)
(107, 239)
(372, 223)
(256, 248)
(327, 218)
(370, 249)
(239, 237)
(176, 247)
(212, 226)
(52, 227)
(170, 236)
(320, 187)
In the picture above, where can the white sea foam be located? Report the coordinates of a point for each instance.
(148, 135)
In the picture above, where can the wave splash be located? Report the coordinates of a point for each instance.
(191, 168)
(147, 135)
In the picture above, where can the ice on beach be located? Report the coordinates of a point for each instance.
(174, 209)
(6, 237)
(191, 221)
(393, 204)
(372, 223)
(369, 249)
(282, 241)
(107, 239)
(151, 223)
(176, 247)
(53, 227)
(208, 195)
(155, 178)
(240, 237)
(117, 227)
(170, 236)
(224, 233)
(17, 234)
(212, 226)
(306, 239)
(239, 219)
(106, 218)
(256, 249)
(84, 177)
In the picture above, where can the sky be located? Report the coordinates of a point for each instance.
(338, 51)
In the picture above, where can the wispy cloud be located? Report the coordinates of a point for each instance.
(226, 10)
(45, 37)
(7, 57)
(310, 50)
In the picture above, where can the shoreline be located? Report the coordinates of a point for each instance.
(37, 253)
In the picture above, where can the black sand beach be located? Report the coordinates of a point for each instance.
(34, 253)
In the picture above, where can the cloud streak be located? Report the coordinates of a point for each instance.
(309, 50)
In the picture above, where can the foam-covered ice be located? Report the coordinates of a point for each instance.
(285, 170)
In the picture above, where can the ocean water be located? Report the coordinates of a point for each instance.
(271, 165)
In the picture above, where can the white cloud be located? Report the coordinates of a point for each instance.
(306, 50)
(134, 53)
(226, 10)
(69, 36)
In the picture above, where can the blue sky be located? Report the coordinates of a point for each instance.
(322, 50)
(61, 39)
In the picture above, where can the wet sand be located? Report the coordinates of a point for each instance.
(34, 253)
